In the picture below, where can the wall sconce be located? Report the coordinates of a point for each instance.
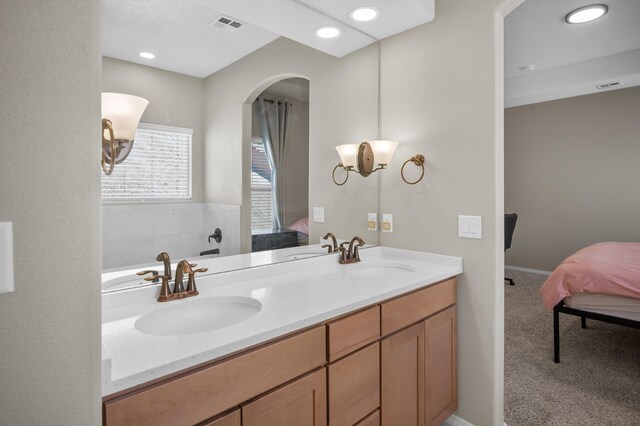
(418, 160)
(120, 117)
(364, 158)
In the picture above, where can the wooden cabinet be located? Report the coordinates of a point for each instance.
(419, 379)
(441, 381)
(413, 307)
(199, 395)
(231, 419)
(402, 366)
(354, 386)
(353, 332)
(390, 364)
(372, 419)
(302, 403)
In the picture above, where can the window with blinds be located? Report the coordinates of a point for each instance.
(261, 213)
(157, 169)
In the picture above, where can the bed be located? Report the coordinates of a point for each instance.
(600, 282)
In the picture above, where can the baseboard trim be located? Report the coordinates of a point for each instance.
(535, 271)
(454, 420)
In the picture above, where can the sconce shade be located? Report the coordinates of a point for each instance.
(348, 154)
(383, 151)
(124, 112)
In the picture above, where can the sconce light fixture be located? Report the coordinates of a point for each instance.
(364, 158)
(120, 117)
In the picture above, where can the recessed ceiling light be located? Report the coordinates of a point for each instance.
(586, 14)
(527, 68)
(363, 14)
(147, 55)
(327, 32)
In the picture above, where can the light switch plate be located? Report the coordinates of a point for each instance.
(470, 227)
(387, 223)
(372, 221)
(318, 214)
(6, 257)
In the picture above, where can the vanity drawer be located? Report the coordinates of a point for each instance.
(353, 332)
(200, 395)
(406, 310)
(354, 386)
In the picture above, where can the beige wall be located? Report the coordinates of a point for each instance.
(50, 189)
(296, 167)
(440, 94)
(174, 100)
(572, 175)
(448, 78)
(342, 109)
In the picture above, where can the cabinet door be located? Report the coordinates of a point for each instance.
(402, 361)
(301, 403)
(231, 419)
(354, 386)
(441, 381)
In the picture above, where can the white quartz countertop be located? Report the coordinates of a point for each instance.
(293, 295)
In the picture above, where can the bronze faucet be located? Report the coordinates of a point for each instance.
(178, 288)
(331, 249)
(164, 257)
(351, 254)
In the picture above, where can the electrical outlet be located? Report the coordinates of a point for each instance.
(318, 214)
(387, 223)
(6, 257)
(372, 221)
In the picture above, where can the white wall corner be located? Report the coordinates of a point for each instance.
(454, 420)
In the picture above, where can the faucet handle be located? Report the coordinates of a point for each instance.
(342, 258)
(328, 247)
(155, 277)
(343, 248)
(191, 283)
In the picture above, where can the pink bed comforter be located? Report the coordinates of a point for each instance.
(609, 268)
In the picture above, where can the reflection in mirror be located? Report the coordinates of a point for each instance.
(194, 146)
(280, 166)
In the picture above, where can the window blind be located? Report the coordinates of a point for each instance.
(157, 169)
(261, 212)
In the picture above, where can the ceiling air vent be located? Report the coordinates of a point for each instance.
(608, 86)
(224, 22)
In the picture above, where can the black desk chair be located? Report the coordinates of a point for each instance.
(509, 226)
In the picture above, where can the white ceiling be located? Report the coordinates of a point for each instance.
(536, 34)
(290, 88)
(179, 34)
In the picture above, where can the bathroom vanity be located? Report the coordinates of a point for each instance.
(307, 342)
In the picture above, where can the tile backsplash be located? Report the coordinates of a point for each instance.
(135, 233)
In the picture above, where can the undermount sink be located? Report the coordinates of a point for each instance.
(379, 269)
(198, 316)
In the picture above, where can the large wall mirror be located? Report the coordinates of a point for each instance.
(206, 178)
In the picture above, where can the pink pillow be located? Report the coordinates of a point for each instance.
(301, 225)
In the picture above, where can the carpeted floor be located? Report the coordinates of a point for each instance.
(597, 381)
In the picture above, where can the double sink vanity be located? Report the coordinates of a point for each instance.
(311, 342)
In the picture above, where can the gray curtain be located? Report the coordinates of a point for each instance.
(273, 121)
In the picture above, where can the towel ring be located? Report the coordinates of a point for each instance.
(418, 160)
(333, 174)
